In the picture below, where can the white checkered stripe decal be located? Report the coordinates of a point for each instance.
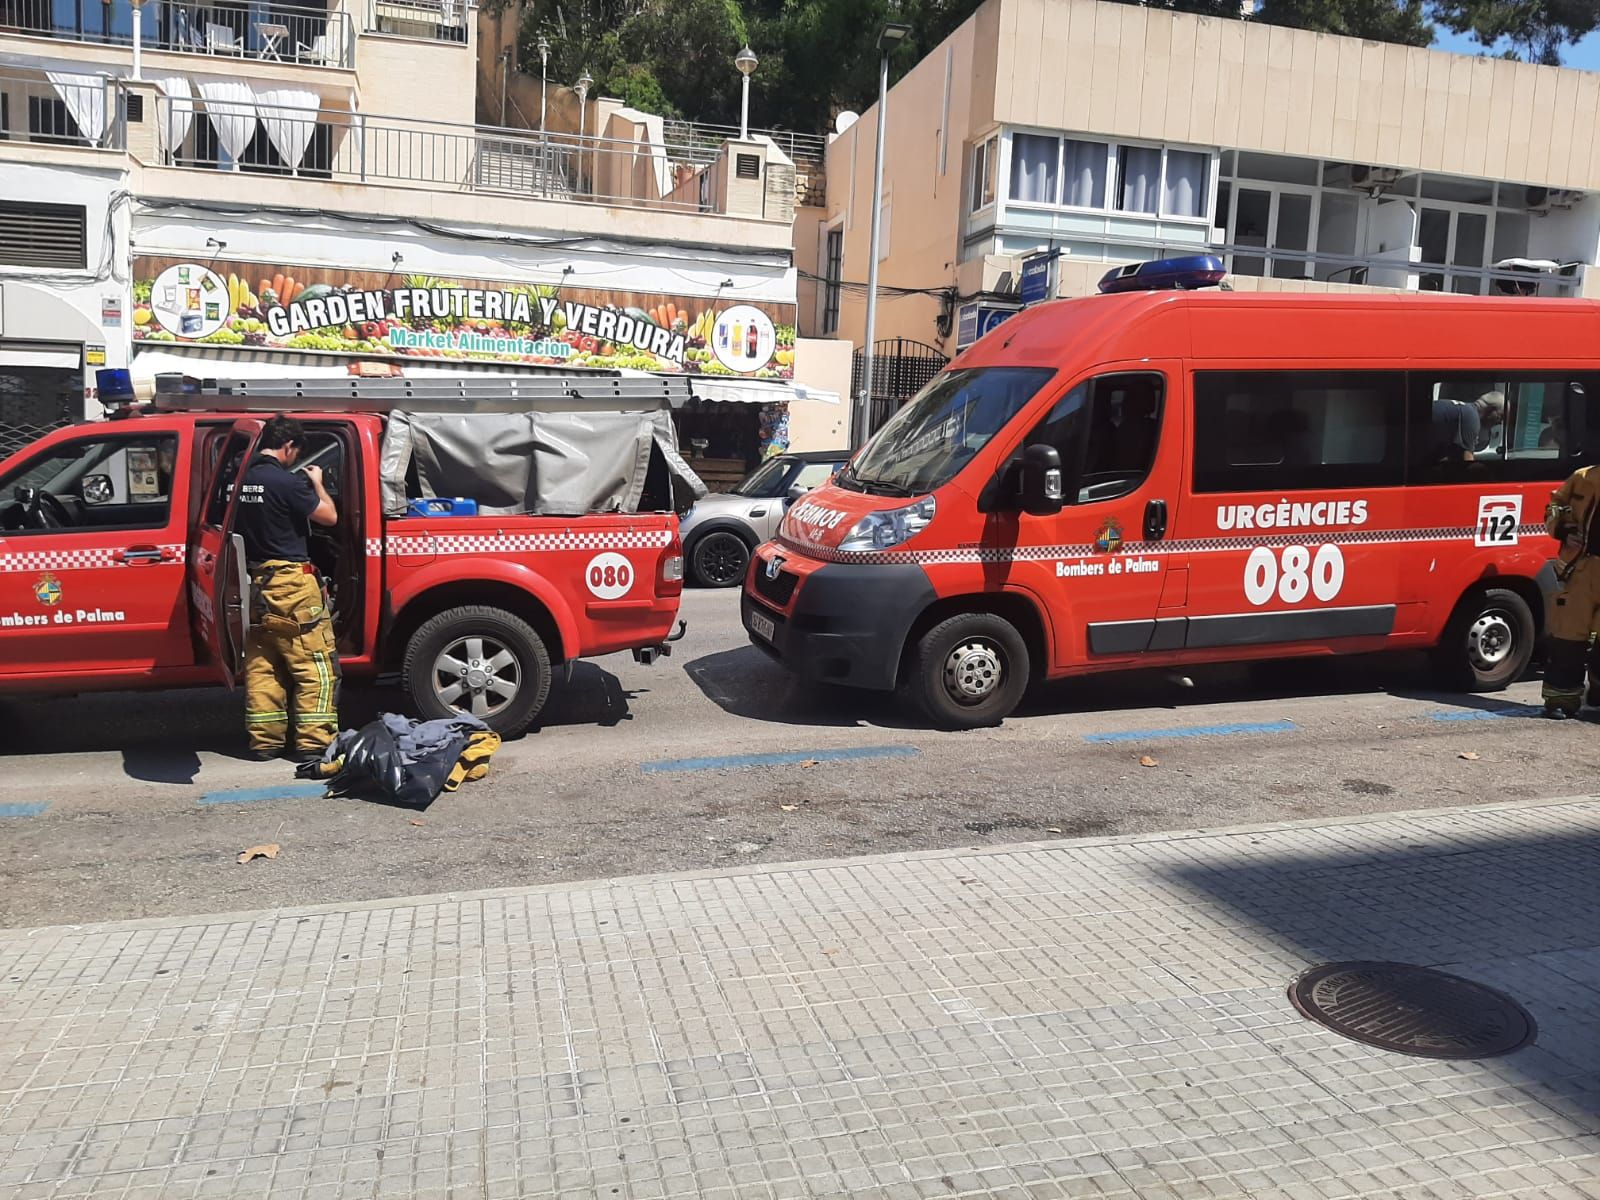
(526, 543)
(1003, 554)
(32, 561)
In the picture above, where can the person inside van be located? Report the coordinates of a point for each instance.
(1463, 428)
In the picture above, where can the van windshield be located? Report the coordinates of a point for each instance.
(942, 428)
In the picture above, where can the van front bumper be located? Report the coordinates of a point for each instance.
(847, 623)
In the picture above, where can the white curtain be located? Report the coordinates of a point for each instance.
(289, 115)
(1033, 168)
(85, 98)
(231, 108)
(1085, 174)
(1184, 192)
(179, 111)
(1139, 184)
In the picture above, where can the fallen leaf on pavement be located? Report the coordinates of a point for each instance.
(808, 764)
(415, 822)
(831, 951)
(1469, 755)
(1146, 761)
(270, 850)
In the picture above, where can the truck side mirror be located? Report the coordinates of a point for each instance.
(1042, 495)
(97, 489)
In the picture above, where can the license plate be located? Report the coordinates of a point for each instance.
(765, 627)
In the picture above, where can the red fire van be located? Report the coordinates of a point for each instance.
(1157, 478)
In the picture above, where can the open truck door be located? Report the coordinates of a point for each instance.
(219, 579)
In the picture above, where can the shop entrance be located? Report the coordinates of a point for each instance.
(41, 388)
(724, 440)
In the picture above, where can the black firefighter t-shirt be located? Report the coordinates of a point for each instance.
(275, 506)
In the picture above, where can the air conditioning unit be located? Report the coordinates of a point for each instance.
(1373, 180)
(1543, 200)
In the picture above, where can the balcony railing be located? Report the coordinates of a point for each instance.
(430, 20)
(360, 148)
(266, 32)
(805, 150)
(70, 110)
(1390, 271)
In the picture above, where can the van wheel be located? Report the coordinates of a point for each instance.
(720, 559)
(482, 661)
(1487, 645)
(968, 671)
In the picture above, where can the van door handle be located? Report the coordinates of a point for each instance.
(1155, 520)
(135, 556)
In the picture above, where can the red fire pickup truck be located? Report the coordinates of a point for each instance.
(119, 568)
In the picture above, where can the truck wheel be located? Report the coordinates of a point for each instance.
(720, 559)
(1488, 642)
(482, 661)
(968, 671)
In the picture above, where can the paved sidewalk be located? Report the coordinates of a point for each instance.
(1090, 1019)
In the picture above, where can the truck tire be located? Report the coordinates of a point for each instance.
(719, 559)
(1488, 642)
(478, 660)
(967, 672)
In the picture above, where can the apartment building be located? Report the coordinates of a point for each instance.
(1097, 133)
(286, 190)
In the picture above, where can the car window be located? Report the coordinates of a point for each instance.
(115, 482)
(815, 474)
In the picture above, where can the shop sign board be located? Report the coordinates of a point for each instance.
(252, 306)
(974, 320)
(1037, 275)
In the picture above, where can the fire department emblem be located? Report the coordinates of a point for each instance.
(1109, 539)
(47, 591)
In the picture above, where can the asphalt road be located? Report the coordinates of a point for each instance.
(131, 806)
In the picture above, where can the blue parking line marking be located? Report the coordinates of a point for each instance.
(290, 791)
(32, 809)
(737, 762)
(1192, 731)
(1485, 714)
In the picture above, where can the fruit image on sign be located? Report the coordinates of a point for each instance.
(744, 339)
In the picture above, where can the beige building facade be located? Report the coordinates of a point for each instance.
(199, 215)
(1103, 133)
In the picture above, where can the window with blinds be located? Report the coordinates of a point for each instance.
(44, 235)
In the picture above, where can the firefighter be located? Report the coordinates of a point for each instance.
(1574, 519)
(291, 669)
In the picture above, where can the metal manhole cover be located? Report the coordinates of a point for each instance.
(1415, 1010)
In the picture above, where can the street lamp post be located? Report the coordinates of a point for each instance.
(138, 35)
(893, 34)
(745, 60)
(544, 76)
(585, 82)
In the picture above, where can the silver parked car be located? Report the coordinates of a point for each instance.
(722, 529)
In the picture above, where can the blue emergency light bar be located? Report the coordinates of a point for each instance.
(1178, 274)
(114, 384)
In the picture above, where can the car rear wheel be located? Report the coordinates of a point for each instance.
(1487, 645)
(967, 672)
(485, 662)
(720, 559)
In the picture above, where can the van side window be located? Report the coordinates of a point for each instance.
(1106, 432)
(1286, 431)
(221, 480)
(92, 483)
(1498, 426)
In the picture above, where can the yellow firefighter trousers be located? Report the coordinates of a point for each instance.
(1574, 623)
(291, 670)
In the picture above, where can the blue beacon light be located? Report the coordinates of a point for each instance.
(1167, 274)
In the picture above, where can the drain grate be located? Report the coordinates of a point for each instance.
(1415, 1010)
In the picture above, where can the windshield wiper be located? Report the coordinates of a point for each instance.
(883, 487)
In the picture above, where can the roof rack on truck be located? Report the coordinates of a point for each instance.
(542, 393)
